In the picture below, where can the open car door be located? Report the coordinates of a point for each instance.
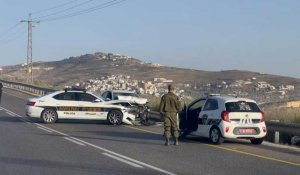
(189, 115)
(183, 119)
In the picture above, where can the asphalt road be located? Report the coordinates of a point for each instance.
(91, 147)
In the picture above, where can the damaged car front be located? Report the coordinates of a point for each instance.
(136, 105)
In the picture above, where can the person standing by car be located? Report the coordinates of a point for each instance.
(169, 107)
(1, 86)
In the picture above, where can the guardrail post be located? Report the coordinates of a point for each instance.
(276, 139)
(277, 134)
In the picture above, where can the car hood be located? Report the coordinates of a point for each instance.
(131, 99)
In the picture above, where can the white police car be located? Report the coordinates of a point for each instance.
(75, 104)
(220, 117)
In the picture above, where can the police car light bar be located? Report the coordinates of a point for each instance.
(75, 88)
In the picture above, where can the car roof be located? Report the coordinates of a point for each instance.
(76, 91)
(123, 91)
(61, 91)
(226, 99)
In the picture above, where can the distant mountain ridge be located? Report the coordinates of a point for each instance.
(92, 66)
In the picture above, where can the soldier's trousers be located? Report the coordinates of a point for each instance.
(171, 127)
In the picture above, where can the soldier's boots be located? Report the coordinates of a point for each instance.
(167, 143)
(176, 142)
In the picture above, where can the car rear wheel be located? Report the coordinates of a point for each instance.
(49, 116)
(115, 117)
(215, 136)
(257, 141)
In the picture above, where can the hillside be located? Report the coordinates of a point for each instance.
(91, 66)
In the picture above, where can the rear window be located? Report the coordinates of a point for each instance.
(242, 106)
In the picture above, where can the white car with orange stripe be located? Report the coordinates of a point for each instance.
(75, 104)
(220, 117)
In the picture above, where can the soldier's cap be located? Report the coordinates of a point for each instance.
(170, 87)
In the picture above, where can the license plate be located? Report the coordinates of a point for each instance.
(247, 131)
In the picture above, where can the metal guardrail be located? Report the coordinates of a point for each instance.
(291, 128)
(26, 88)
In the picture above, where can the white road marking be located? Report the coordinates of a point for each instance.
(44, 129)
(123, 160)
(10, 114)
(74, 141)
(111, 152)
(25, 121)
(16, 115)
(100, 148)
(125, 157)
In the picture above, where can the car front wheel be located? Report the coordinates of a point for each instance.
(115, 117)
(215, 136)
(49, 116)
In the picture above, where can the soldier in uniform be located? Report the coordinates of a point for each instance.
(169, 107)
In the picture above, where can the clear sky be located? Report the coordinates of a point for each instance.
(255, 35)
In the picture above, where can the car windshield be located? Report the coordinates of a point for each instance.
(127, 94)
(100, 98)
(242, 106)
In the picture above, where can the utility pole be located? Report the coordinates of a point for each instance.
(29, 48)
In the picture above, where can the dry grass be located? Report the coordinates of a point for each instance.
(283, 114)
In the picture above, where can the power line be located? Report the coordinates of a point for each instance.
(3, 42)
(4, 33)
(30, 22)
(89, 10)
(64, 10)
(11, 33)
(54, 7)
